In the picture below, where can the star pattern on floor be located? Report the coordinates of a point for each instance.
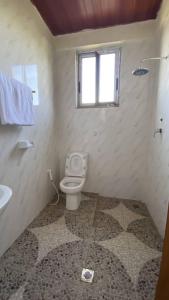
(127, 254)
(123, 215)
(132, 253)
(51, 236)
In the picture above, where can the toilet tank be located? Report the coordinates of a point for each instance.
(76, 164)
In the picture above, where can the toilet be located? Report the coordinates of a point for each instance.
(75, 177)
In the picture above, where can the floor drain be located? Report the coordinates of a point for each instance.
(87, 275)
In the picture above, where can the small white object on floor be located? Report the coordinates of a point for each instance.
(87, 275)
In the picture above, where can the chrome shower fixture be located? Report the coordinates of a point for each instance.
(155, 58)
(140, 71)
(143, 71)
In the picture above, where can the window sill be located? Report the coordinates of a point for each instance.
(105, 105)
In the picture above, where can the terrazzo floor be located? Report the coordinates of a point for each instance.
(115, 238)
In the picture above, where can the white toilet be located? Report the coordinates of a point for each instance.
(74, 180)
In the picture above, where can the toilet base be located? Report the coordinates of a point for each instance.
(73, 201)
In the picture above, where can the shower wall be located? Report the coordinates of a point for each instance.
(157, 189)
(115, 138)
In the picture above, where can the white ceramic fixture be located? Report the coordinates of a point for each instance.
(5, 196)
(74, 180)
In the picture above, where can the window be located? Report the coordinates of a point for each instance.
(98, 78)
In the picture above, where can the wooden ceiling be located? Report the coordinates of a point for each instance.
(67, 16)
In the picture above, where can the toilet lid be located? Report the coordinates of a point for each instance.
(76, 164)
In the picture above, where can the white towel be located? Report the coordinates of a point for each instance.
(16, 102)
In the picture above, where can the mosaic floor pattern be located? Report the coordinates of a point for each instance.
(114, 237)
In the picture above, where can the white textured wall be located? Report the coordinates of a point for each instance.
(26, 40)
(115, 138)
(158, 178)
(119, 33)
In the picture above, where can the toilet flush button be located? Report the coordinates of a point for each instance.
(87, 275)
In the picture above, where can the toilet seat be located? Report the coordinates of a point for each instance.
(72, 185)
(76, 164)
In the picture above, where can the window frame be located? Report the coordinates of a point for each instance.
(96, 53)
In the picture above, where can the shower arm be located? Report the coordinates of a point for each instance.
(155, 58)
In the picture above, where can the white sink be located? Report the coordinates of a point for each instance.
(5, 196)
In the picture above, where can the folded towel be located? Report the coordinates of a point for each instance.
(16, 102)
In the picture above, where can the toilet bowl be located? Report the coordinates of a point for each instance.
(73, 183)
(72, 186)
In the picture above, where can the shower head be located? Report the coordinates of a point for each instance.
(140, 72)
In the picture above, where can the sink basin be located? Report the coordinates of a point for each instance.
(5, 195)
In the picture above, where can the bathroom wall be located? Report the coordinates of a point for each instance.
(89, 37)
(115, 138)
(157, 196)
(26, 41)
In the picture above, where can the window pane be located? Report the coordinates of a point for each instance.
(107, 78)
(88, 80)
